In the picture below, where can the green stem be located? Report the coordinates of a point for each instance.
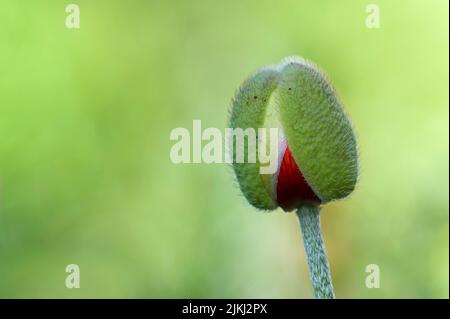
(319, 271)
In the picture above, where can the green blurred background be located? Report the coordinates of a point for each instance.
(85, 173)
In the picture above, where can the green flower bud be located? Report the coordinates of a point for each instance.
(318, 153)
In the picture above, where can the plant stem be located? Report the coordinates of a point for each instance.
(319, 271)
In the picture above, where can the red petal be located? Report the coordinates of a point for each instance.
(292, 188)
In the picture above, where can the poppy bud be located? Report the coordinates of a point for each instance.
(318, 150)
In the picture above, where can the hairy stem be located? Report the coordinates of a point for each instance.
(319, 271)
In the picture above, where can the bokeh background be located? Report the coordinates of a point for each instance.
(85, 173)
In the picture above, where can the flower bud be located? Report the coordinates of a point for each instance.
(318, 150)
